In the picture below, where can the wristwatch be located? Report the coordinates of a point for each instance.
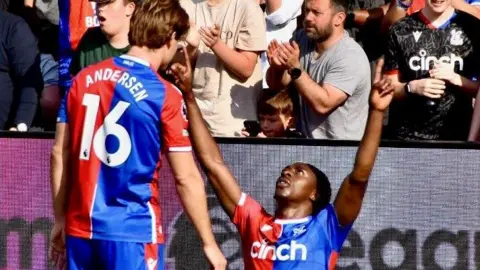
(295, 73)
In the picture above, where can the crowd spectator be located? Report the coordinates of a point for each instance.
(109, 39)
(50, 96)
(20, 75)
(363, 23)
(328, 69)
(281, 21)
(45, 9)
(43, 18)
(276, 117)
(227, 79)
(399, 9)
(431, 58)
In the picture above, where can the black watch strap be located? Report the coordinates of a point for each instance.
(295, 73)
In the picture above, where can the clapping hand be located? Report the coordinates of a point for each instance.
(289, 54)
(210, 35)
(272, 55)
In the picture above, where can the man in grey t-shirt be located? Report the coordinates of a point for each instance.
(329, 70)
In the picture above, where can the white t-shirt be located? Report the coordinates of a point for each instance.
(280, 26)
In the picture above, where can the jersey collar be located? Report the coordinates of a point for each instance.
(135, 59)
(444, 25)
(293, 221)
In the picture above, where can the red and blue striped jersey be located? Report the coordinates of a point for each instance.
(313, 242)
(121, 114)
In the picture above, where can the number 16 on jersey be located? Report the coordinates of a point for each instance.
(109, 127)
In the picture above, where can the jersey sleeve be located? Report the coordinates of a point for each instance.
(174, 122)
(62, 115)
(336, 233)
(391, 54)
(247, 209)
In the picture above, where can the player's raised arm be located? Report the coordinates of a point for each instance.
(206, 150)
(350, 196)
(188, 181)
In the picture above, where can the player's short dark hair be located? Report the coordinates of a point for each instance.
(324, 190)
(153, 23)
(339, 5)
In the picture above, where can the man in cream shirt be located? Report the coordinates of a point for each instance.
(227, 78)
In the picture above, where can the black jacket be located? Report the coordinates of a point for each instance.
(20, 76)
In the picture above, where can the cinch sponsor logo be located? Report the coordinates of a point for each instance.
(425, 62)
(284, 252)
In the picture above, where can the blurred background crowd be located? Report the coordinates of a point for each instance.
(266, 68)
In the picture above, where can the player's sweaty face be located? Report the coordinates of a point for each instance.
(296, 184)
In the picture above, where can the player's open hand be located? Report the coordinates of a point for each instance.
(215, 257)
(182, 73)
(56, 250)
(382, 89)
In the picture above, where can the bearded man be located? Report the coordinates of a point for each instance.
(328, 69)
